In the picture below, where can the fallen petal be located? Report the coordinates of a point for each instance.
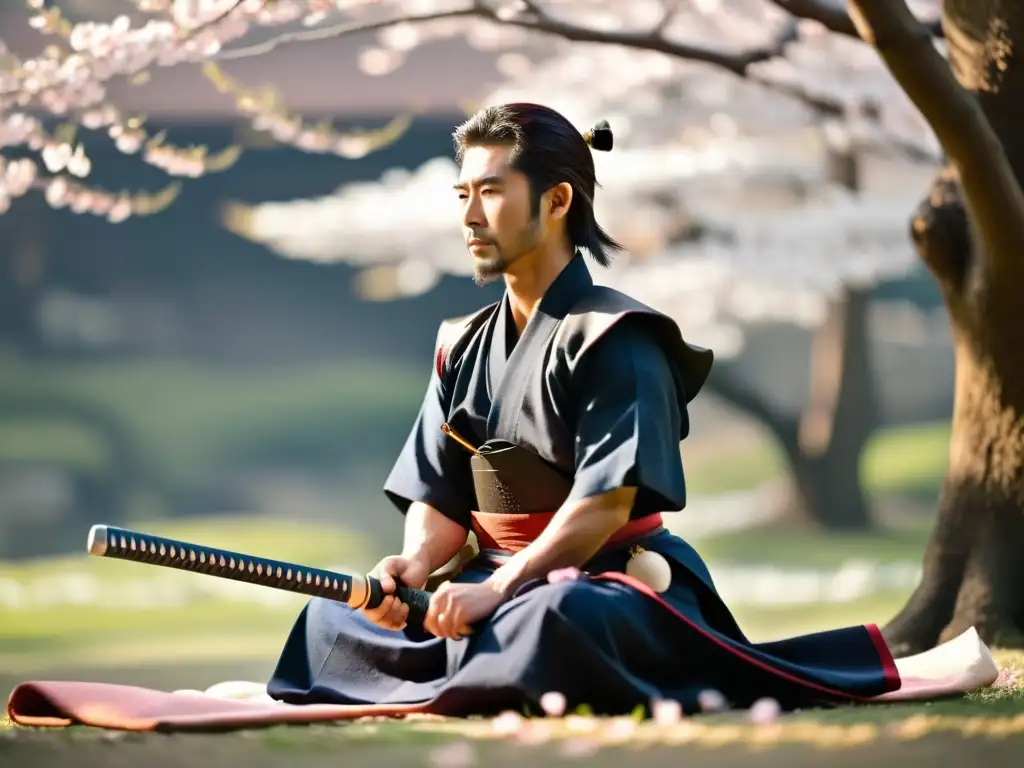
(579, 746)
(765, 711)
(458, 754)
(712, 701)
(666, 712)
(564, 574)
(508, 723)
(553, 704)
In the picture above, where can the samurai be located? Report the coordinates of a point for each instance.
(550, 432)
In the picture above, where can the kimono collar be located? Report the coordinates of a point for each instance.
(571, 284)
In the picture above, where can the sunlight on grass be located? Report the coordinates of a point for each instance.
(68, 445)
(180, 622)
(808, 548)
(301, 542)
(767, 623)
(181, 617)
(897, 460)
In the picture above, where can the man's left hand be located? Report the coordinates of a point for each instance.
(454, 607)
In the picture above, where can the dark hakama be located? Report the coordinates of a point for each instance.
(611, 417)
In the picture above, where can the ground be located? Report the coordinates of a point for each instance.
(81, 618)
(985, 729)
(194, 638)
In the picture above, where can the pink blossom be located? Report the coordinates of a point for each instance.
(457, 754)
(120, 211)
(553, 704)
(666, 712)
(765, 711)
(712, 701)
(508, 723)
(564, 574)
(534, 732)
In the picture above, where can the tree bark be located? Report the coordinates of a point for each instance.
(823, 446)
(840, 418)
(970, 233)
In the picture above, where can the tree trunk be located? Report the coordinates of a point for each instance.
(973, 574)
(824, 448)
(22, 267)
(824, 445)
(970, 233)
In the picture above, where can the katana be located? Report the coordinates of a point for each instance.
(351, 589)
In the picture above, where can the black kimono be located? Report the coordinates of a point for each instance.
(597, 386)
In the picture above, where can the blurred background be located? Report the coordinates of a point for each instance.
(242, 368)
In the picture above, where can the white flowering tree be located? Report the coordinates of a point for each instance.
(969, 231)
(722, 232)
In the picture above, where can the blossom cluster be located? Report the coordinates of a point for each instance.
(558, 45)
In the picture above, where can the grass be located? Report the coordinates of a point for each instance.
(812, 549)
(187, 623)
(899, 460)
(188, 417)
(182, 623)
(975, 728)
(191, 419)
(208, 641)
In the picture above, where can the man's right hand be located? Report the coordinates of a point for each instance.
(413, 572)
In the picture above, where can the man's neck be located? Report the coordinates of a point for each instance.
(530, 279)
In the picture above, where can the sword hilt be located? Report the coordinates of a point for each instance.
(418, 600)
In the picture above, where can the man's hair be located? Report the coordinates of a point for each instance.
(548, 150)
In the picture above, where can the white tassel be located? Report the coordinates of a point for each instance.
(650, 568)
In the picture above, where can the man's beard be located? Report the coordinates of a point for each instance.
(488, 268)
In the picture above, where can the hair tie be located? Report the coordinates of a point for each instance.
(600, 137)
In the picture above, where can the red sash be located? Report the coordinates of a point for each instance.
(510, 533)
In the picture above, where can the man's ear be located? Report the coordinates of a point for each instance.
(559, 200)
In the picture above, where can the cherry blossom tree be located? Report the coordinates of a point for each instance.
(969, 230)
(722, 232)
(694, 152)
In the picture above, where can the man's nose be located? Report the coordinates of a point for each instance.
(473, 213)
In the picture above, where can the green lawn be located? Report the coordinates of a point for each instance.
(904, 460)
(188, 419)
(811, 549)
(212, 628)
(198, 644)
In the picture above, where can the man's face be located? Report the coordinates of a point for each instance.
(496, 218)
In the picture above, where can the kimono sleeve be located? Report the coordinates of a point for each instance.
(431, 467)
(629, 421)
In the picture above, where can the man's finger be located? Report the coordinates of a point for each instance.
(403, 615)
(378, 614)
(438, 601)
(396, 615)
(387, 582)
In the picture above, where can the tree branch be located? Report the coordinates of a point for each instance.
(536, 20)
(834, 17)
(991, 193)
(346, 29)
(744, 398)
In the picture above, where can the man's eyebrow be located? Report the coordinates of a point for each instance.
(483, 180)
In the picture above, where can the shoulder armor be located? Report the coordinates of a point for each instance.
(453, 335)
(601, 308)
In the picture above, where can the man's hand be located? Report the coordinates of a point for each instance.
(392, 613)
(454, 607)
